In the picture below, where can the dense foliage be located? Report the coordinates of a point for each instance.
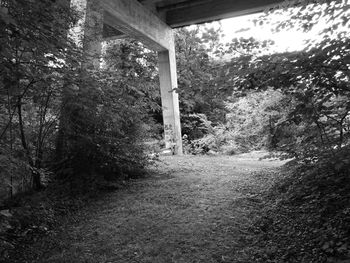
(36, 58)
(59, 119)
(198, 53)
(65, 127)
(309, 117)
(306, 214)
(61, 122)
(296, 103)
(318, 82)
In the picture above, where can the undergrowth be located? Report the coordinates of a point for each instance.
(30, 216)
(306, 217)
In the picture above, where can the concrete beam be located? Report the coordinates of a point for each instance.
(135, 20)
(112, 38)
(110, 33)
(206, 11)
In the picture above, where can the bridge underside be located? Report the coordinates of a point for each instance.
(152, 21)
(178, 13)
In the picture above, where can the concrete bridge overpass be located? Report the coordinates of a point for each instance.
(152, 21)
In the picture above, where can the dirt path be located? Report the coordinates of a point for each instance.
(196, 209)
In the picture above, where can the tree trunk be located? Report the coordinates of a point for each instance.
(36, 183)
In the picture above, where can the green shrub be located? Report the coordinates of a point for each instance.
(195, 126)
(15, 176)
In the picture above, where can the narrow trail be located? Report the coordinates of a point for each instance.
(194, 209)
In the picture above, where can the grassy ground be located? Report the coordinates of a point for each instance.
(190, 209)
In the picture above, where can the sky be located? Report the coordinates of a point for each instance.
(284, 41)
(293, 39)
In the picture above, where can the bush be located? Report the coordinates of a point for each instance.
(15, 176)
(195, 126)
(106, 130)
(306, 216)
(211, 142)
(252, 119)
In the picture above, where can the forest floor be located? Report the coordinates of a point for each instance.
(188, 209)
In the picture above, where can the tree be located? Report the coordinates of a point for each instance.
(198, 54)
(35, 57)
(253, 118)
(56, 114)
(318, 79)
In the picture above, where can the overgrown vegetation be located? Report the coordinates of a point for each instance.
(306, 214)
(304, 217)
(297, 104)
(307, 115)
(58, 115)
(65, 127)
(69, 129)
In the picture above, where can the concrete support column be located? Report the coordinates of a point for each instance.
(87, 34)
(170, 100)
(89, 31)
